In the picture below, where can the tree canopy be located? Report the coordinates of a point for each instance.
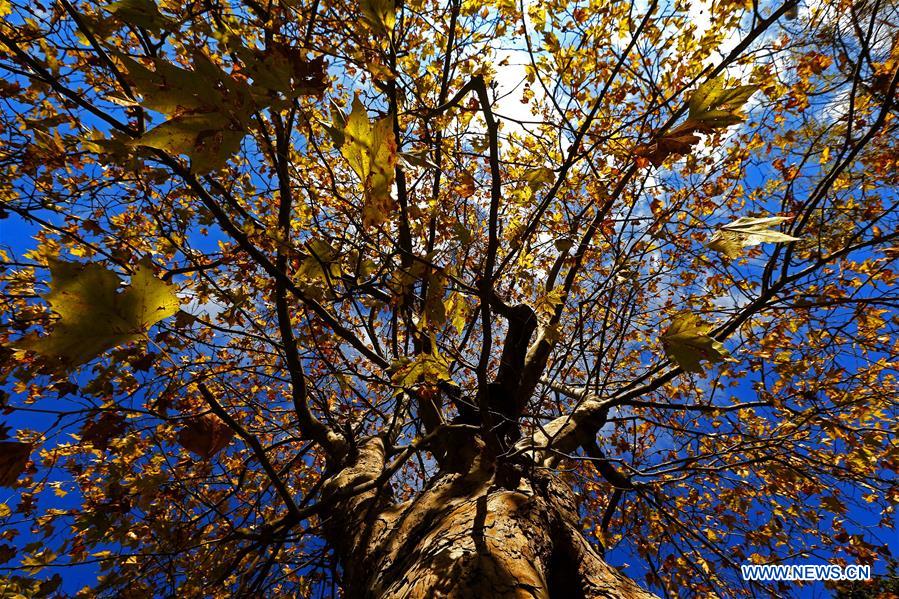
(647, 246)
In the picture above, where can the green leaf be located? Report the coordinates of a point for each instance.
(687, 342)
(746, 232)
(94, 316)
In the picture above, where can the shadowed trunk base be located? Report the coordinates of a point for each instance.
(466, 537)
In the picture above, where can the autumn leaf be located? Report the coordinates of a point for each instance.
(457, 312)
(94, 316)
(710, 107)
(320, 268)
(417, 159)
(428, 368)
(13, 458)
(201, 137)
(209, 110)
(371, 151)
(38, 561)
(205, 435)
(282, 68)
(142, 13)
(539, 177)
(676, 143)
(380, 14)
(435, 309)
(465, 185)
(687, 342)
(172, 90)
(100, 431)
(746, 232)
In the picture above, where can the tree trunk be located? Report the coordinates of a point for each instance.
(466, 536)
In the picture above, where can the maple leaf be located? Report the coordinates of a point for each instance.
(100, 431)
(678, 142)
(746, 232)
(710, 107)
(205, 435)
(282, 68)
(427, 368)
(94, 316)
(201, 137)
(687, 342)
(143, 13)
(465, 186)
(210, 109)
(13, 458)
(713, 106)
(380, 14)
(435, 309)
(538, 177)
(371, 151)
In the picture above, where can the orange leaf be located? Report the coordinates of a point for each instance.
(675, 143)
(205, 435)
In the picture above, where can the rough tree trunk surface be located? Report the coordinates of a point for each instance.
(468, 537)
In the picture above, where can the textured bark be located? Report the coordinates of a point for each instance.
(467, 537)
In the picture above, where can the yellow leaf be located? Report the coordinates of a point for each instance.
(37, 562)
(94, 317)
(371, 151)
(539, 177)
(746, 232)
(143, 13)
(687, 342)
(380, 14)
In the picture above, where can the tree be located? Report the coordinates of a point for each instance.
(878, 587)
(426, 298)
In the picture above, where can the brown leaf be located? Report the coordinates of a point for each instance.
(466, 185)
(309, 76)
(99, 432)
(205, 435)
(13, 458)
(145, 362)
(678, 142)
